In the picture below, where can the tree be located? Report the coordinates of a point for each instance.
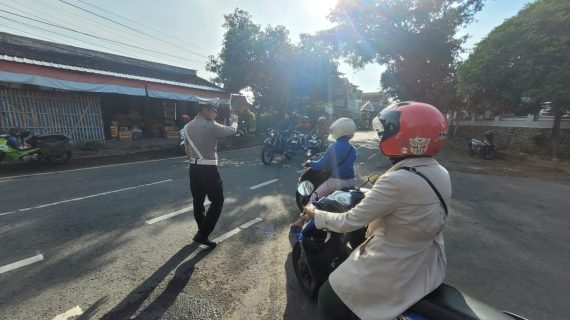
(234, 63)
(528, 56)
(415, 39)
(281, 75)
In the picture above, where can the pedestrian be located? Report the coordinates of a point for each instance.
(201, 145)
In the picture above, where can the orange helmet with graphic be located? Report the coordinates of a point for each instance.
(411, 129)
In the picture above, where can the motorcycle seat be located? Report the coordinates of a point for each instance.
(447, 302)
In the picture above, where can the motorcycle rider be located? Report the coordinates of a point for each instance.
(339, 158)
(403, 258)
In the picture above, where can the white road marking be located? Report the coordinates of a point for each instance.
(82, 169)
(21, 263)
(227, 235)
(108, 166)
(263, 184)
(174, 214)
(86, 197)
(372, 156)
(251, 223)
(235, 231)
(69, 313)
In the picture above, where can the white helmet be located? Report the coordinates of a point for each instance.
(343, 127)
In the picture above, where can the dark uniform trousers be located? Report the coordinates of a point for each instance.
(205, 181)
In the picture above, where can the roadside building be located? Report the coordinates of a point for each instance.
(50, 88)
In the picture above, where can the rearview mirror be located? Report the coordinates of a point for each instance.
(305, 188)
(373, 177)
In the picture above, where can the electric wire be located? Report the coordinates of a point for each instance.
(93, 36)
(133, 29)
(145, 26)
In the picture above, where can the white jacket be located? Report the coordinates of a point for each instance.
(403, 258)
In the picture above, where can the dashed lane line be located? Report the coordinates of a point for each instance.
(74, 312)
(263, 184)
(86, 197)
(21, 263)
(233, 232)
(173, 214)
(83, 169)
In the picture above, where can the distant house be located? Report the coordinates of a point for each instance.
(88, 95)
(376, 100)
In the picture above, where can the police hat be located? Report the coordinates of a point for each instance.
(212, 105)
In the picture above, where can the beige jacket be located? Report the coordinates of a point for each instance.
(403, 258)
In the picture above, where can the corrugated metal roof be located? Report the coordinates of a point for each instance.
(106, 73)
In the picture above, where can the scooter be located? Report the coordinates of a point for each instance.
(483, 147)
(317, 253)
(316, 178)
(53, 148)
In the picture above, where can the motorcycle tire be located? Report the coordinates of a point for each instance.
(303, 272)
(488, 154)
(267, 154)
(289, 155)
(64, 158)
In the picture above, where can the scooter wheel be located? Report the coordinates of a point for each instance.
(267, 154)
(303, 272)
(61, 159)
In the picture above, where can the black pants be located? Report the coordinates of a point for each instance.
(205, 181)
(330, 307)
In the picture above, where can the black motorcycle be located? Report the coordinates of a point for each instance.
(317, 253)
(316, 178)
(279, 142)
(483, 147)
(241, 135)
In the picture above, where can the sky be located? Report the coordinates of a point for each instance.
(186, 32)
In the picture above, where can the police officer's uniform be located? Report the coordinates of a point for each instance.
(201, 144)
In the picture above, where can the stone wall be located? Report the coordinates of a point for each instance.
(534, 141)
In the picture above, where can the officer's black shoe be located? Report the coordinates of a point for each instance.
(204, 240)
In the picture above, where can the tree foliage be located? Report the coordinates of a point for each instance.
(526, 56)
(281, 74)
(415, 39)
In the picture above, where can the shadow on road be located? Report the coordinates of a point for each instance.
(128, 307)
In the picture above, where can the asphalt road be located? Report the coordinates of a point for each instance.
(94, 249)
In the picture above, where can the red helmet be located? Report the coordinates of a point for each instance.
(411, 129)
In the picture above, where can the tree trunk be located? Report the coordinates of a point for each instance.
(556, 132)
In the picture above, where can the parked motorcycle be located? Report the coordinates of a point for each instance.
(317, 253)
(275, 143)
(483, 147)
(241, 135)
(53, 148)
(180, 145)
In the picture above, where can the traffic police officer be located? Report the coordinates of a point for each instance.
(201, 144)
